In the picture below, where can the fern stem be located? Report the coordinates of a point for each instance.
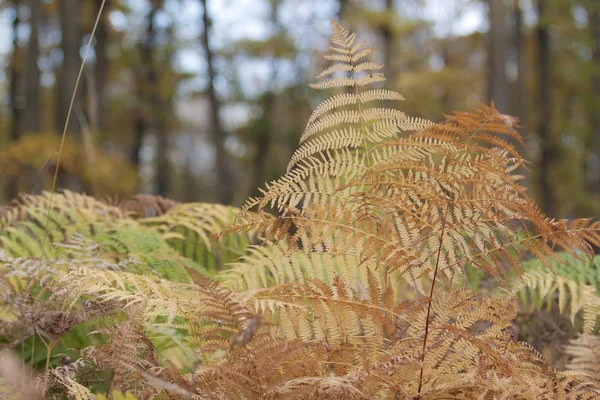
(437, 263)
(64, 133)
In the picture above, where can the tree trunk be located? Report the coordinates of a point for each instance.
(344, 6)
(548, 151)
(595, 24)
(162, 107)
(32, 113)
(498, 41)
(145, 76)
(163, 176)
(519, 40)
(15, 132)
(388, 42)
(70, 46)
(223, 167)
(15, 102)
(101, 67)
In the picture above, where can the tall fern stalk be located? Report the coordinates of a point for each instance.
(66, 125)
(427, 320)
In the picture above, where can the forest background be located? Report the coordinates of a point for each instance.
(205, 100)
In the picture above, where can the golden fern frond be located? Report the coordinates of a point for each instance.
(585, 362)
(329, 156)
(63, 202)
(209, 315)
(349, 55)
(337, 139)
(305, 185)
(277, 263)
(360, 315)
(75, 390)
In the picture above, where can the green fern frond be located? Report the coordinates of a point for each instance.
(573, 281)
(193, 230)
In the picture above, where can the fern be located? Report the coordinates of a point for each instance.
(191, 230)
(585, 352)
(574, 281)
(349, 293)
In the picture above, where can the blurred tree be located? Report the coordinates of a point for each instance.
(389, 41)
(548, 150)
(520, 109)
(498, 42)
(15, 66)
(594, 164)
(98, 117)
(162, 108)
(266, 130)
(146, 84)
(32, 113)
(225, 185)
(70, 46)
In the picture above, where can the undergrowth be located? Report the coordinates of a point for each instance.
(350, 277)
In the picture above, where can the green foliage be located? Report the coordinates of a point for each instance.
(191, 230)
(571, 280)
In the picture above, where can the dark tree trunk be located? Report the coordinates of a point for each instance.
(145, 76)
(595, 24)
(162, 107)
(139, 130)
(497, 84)
(101, 67)
(70, 46)
(32, 113)
(344, 6)
(548, 151)
(15, 132)
(15, 101)
(519, 40)
(388, 43)
(223, 167)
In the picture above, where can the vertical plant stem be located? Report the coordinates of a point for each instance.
(426, 334)
(64, 133)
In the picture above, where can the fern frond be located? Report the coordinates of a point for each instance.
(570, 280)
(585, 353)
(62, 203)
(337, 139)
(192, 229)
(348, 82)
(146, 206)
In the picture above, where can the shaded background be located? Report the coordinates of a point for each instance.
(206, 99)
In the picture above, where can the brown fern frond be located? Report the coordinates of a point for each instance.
(128, 349)
(146, 206)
